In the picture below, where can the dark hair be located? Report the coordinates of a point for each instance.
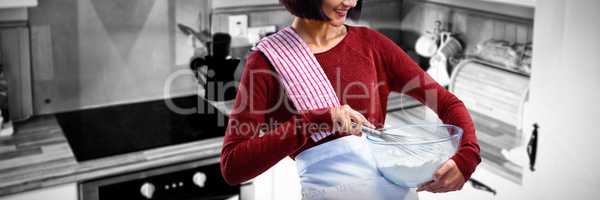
(311, 9)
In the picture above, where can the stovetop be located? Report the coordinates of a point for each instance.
(107, 131)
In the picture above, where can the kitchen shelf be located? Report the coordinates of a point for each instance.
(525, 3)
(17, 3)
(517, 8)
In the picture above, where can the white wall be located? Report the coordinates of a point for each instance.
(90, 53)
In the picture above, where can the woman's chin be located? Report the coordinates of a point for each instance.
(337, 23)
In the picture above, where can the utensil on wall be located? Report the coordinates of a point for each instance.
(448, 47)
(427, 45)
(200, 40)
(438, 69)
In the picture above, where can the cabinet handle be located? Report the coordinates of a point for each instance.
(481, 186)
(532, 147)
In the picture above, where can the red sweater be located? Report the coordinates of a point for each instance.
(363, 56)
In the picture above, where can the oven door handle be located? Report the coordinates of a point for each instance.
(532, 147)
(481, 186)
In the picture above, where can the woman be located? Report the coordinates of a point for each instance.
(268, 122)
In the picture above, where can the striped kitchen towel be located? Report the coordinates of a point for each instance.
(302, 77)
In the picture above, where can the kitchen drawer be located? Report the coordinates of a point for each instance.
(62, 192)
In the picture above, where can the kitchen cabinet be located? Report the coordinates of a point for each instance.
(279, 182)
(15, 61)
(562, 103)
(286, 182)
(17, 3)
(235, 3)
(516, 8)
(479, 3)
(526, 3)
(62, 192)
(13, 14)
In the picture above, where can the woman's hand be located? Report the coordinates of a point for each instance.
(446, 179)
(342, 118)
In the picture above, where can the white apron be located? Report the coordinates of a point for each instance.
(339, 169)
(344, 169)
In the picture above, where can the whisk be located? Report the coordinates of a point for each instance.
(415, 147)
(391, 138)
(380, 134)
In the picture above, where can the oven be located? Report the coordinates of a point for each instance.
(107, 131)
(185, 181)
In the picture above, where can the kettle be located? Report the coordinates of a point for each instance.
(216, 70)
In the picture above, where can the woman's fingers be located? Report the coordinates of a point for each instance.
(436, 186)
(446, 179)
(356, 129)
(439, 173)
(342, 123)
(360, 119)
(346, 123)
(343, 117)
(337, 118)
(336, 124)
(425, 187)
(438, 182)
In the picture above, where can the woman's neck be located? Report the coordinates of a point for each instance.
(318, 33)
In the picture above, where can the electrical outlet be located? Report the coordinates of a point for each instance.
(255, 33)
(238, 25)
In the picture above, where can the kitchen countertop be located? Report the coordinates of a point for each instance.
(38, 155)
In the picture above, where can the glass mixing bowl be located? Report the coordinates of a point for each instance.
(409, 155)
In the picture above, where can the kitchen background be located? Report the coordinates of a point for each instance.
(84, 82)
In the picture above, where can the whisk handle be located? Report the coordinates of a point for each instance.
(369, 130)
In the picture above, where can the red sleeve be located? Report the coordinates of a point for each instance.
(404, 75)
(245, 154)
